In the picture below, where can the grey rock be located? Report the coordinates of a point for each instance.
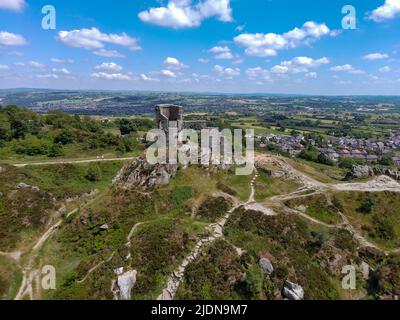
(293, 291)
(266, 265)
(104, 227)
(125, 284)
(23, 185)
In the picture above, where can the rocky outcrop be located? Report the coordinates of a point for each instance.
(2, 169)
(266, 265)
(143, 175)
(23, 185)
(126, 282)
(359, 172)
(292, 291)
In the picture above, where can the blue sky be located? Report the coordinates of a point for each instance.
(242, 46)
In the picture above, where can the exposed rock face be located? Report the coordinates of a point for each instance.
(2, 169)
(125, 284)
(358, 172)
(292, 291)
(266, 265)
(140, 174)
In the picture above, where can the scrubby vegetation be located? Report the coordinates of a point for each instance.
(317, 206)
(27, 135)
(376, 215)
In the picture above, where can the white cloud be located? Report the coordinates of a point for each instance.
(299, 65)
(61, 70)
(375, 56)
(219, 49)
(36, 64)
(202, 60)
(174, 63)
(227, 72)
(224, 55)
(240, 28)
(94, 39)
(61, 61)
(13, 5)
(110, 76)
(47, 76)
(15, 54)
(346, 68)
(185, 14)
(109, 53)
(19, 64)
(4, 67)
(257, 73)
(168, 73)
(145, 77)
(311, 75)
(11, 39)
(265, 45)
(389, 10)
(385, 69)
(109, 66)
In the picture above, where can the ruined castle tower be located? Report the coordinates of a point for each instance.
(169, 116)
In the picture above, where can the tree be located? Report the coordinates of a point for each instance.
(348, 163)
(55, 151)
(254, 281)
(367, 205)
(386, 161)
(93, 174)
(64, 137)
(127, 126)
(322, 158)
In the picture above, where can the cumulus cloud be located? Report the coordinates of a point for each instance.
(346, 68)
(389, 10)
(385, 69)
(110, 76)
(11, 39)
(109, 53)
(222, 52)
(375, 56)
(109, 66)
(219, 49)
(93, 38)
(264, 45)
(13, 5)
(228, 73)
(257, 73)
(298, 65)
(168, 74)
(173, 63)
(185, 14)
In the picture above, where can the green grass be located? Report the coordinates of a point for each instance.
(67, 180)
(318, 207)
(267, 187)
(382, 224)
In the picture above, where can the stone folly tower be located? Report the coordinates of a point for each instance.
(169, 116)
